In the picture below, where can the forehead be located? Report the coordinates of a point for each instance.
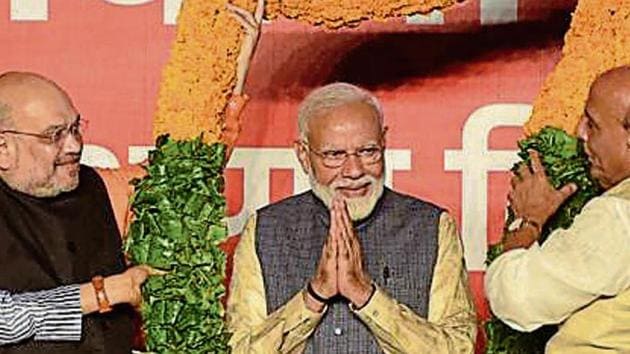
(607, 101)
(349, 125)
(44, 108)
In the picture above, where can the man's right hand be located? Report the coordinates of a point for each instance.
(122, 288)
(532, 195)
(324, 283)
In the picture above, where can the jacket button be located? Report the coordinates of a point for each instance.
(338, 331)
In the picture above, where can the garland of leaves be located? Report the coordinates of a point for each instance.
(179, 214)
(565, 161)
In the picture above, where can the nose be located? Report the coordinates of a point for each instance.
(353, 168)
(582, 131)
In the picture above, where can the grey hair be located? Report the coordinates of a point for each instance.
(326, 98)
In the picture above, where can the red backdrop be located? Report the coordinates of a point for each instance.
(456, 87)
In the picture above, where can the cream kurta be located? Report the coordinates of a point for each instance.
(450, 327)
(579, 278)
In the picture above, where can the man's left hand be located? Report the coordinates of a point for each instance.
(251, 23)
(354, 282)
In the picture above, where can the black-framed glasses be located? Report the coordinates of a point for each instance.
(332, 158)
(58, 135)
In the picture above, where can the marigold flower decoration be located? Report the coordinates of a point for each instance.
(596, 42)
(198, 79)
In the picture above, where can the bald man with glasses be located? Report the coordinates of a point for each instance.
(57, 227)
(349, 266)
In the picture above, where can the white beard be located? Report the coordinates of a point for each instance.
(359, 207)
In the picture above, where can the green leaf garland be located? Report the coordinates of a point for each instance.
(179, 211)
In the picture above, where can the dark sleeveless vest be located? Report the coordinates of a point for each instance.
(47, 242)
(399, 243)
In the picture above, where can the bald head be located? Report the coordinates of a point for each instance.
(614, 86)
(23, 93)
(40, 149)
(605, 127)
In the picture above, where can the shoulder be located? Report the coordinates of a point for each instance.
(91, 183)
(412, 203)
(608, 211)
(89, 175)
(606, 204)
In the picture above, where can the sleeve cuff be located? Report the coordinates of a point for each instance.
(60, 316)
(376, 307)
(296, 314)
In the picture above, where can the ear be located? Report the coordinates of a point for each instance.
(384, 136)
(302, 154)
(5, 153)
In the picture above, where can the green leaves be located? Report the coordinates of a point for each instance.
(564, 161)
(179, 210)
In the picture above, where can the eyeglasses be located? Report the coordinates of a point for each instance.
(57, 136)
(368, 155)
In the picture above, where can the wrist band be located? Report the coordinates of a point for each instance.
(521, 222)
(316, 296)
(530, 222)
(101, 297)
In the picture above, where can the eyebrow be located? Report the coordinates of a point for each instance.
(366, 145)
(589, 116)
(53, 128)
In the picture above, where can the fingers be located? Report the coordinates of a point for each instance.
(243, 22)
(347, 225)
(139, 274)
(260, 11)
(344, 243)
(352, 242)
(245, 18)
(536, 164)
(345, 217)
(334, 228)
(330, 246)
(523, 172)
(152, 271)
(567, 190)
(514, 181)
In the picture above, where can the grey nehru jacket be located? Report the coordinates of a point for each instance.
(399, 242)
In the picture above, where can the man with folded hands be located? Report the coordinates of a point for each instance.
(349, 266)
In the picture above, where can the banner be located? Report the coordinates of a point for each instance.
(456, 87)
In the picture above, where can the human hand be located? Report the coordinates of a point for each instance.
(354, 282)
(324, 283)
(233, 123)
(126, 287)
(532, 196)
(251, 24)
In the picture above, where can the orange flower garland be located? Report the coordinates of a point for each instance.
(599, 40)
(200, 75)
(335, 13)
